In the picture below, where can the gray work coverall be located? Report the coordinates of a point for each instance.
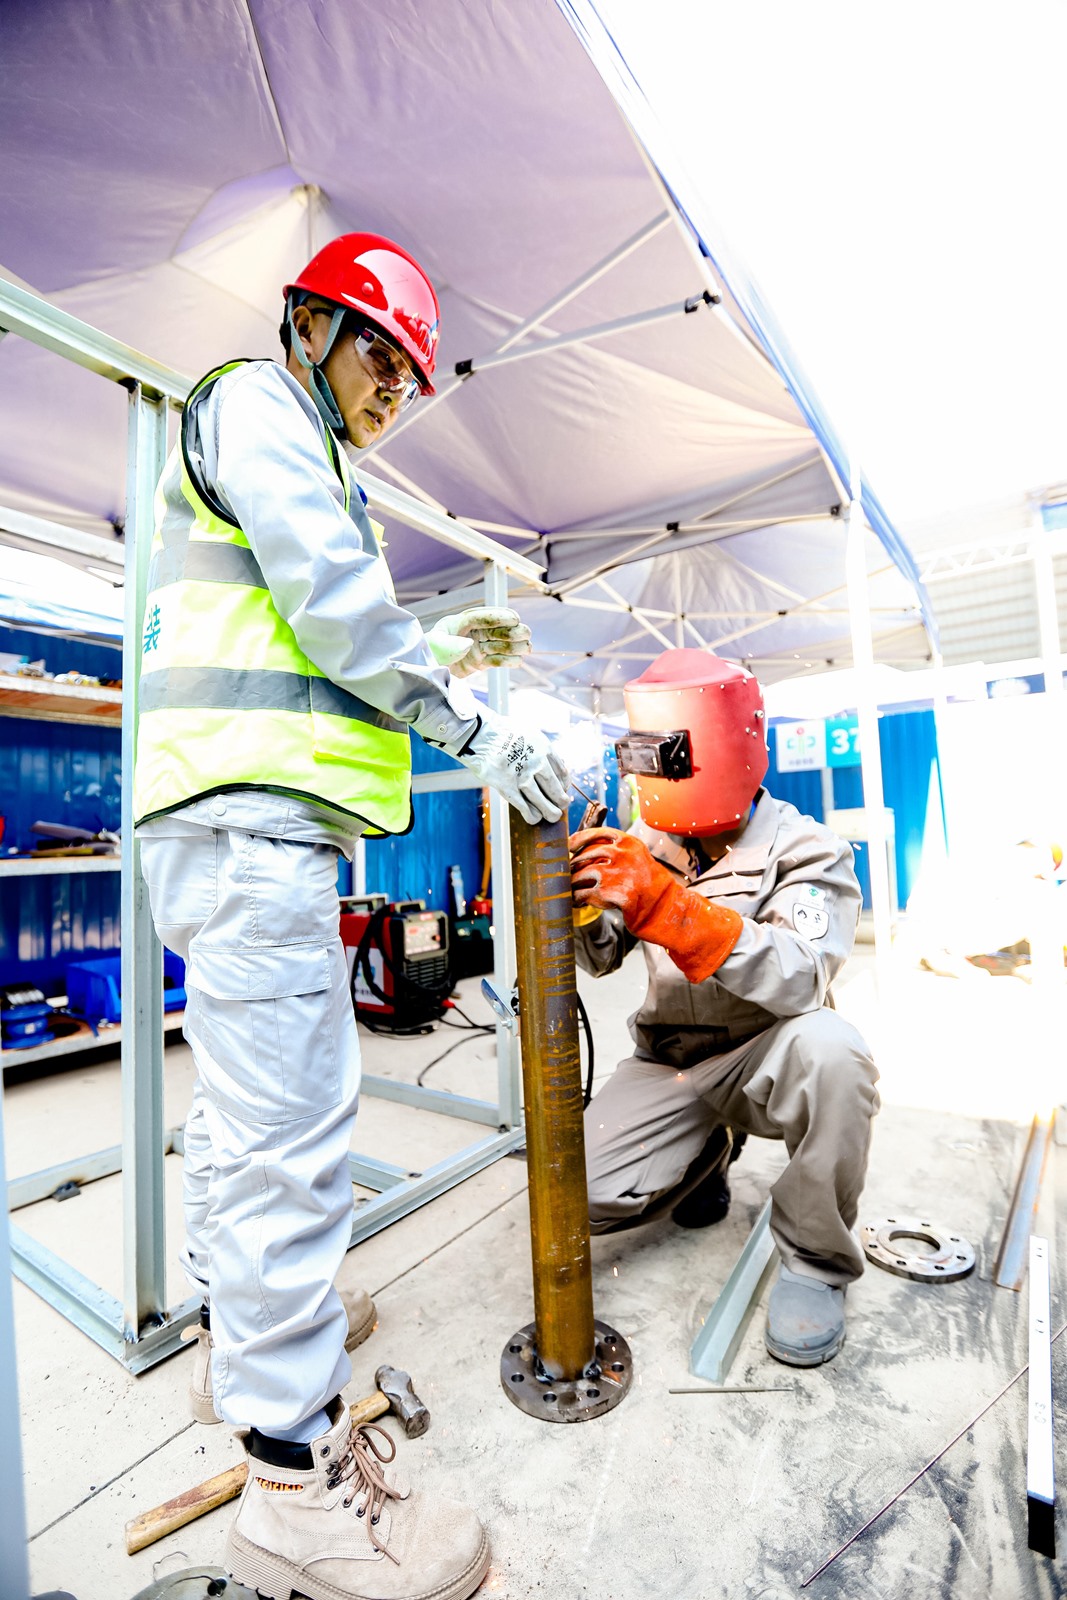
(756, 1046)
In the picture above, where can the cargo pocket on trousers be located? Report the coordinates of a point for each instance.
(266, 1020)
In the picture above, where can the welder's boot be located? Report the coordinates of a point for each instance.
(708, 1201)
(805, 1320)
(362, 1318)
(333, 1520)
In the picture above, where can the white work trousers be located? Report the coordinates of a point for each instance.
(268, 1192)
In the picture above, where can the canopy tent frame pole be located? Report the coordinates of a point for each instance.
(505, 958)
(600, 330)
(867, 716)
(141, 1329)
(141, 977)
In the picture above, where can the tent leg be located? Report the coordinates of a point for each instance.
(144, 1247)
(504, 971)
(867, 709)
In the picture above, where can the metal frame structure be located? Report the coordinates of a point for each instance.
(142, 1329)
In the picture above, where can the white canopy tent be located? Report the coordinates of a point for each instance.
(611, 393)
(619, 432)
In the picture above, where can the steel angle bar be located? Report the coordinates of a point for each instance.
(1040, 1467)
(158, 1343)
(1010, 1266)
(380, 1175)
(40, 1185)
(718, 1341)
(35, 319)
(449, 1105)
(91, 1309)
(405, 1197)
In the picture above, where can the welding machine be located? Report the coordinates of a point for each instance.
(397, 955)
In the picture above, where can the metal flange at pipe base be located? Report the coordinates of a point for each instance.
(605, 1381)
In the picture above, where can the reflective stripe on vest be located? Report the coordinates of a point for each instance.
(227, 698)
(220, 688)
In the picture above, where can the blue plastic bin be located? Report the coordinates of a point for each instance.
(94, 992)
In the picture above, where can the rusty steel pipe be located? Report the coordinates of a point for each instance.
(565, 1366)
(552, 1096)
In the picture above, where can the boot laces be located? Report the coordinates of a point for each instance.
(362, 1465)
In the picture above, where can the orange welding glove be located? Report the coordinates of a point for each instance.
(609, 868)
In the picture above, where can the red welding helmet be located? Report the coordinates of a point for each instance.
(375, 276)
(697, 745)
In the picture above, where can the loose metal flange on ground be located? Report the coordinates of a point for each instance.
(604, 1383)
(884, 1243)
(195, 1583)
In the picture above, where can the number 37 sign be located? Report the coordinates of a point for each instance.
(811, 746)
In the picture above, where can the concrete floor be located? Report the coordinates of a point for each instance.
(668, 1497)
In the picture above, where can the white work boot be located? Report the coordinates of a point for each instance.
(362, 1318)
(342, 1524)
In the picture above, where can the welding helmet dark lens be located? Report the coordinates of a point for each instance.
(656, 755)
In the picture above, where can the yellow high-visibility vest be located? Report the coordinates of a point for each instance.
(227, 698)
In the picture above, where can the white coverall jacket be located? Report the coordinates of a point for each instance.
(243, 886)
(756, 1046)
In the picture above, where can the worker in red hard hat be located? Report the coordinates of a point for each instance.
(279, 683)
(746, 911)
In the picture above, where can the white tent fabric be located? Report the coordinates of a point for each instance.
(167, 167)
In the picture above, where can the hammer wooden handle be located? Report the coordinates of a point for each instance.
(174, 1514)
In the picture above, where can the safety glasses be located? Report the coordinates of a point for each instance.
(395, 380)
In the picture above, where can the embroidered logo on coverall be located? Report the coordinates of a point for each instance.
(810, 916)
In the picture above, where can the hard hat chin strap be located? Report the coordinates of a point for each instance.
(321, 392)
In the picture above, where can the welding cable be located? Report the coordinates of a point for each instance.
(468, 1022)
(444, 1053)
(589, 1053)
(481, 1027)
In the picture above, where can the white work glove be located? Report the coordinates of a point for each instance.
(484, 636)
(523, 767)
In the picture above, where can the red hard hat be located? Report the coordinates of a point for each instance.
(697, 745)
(374, 275)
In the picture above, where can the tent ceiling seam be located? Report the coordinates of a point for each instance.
(268, 87)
